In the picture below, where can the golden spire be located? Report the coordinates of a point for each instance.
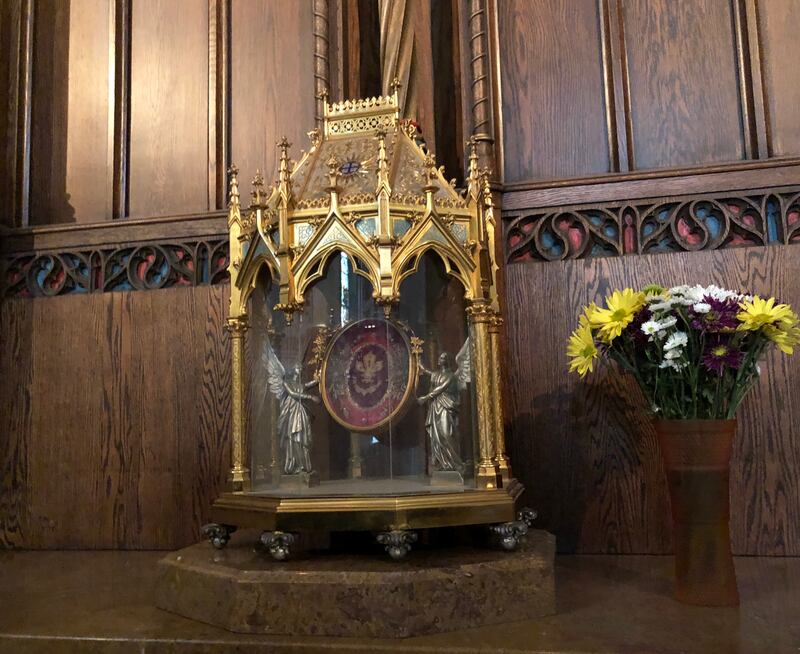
(284, 172)
(234, 208)
(257, 194)
(333, 173)
(383, 166)
(233, 186)
(473, 182)
(431, 187)
(333, 184)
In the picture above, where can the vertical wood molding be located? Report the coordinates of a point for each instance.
(748, 12)
(321, 57)
(336, 49)
(219, 30)
(618, 116)
(23, 118)
(119, 135)
(623, 85)
(481, 83)
(744, 71)
(497, 92)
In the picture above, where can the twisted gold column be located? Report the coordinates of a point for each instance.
(240, 473)
(486, 474)
(501, 458)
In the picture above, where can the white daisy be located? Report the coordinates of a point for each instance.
(701, 307)
(650, 328)
(666, 323)
(664, 305)
(676, 341)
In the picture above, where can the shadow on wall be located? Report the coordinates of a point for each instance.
(589, 461)
(50, 202)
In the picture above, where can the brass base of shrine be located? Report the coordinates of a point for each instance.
(359, 595)
(376, 513)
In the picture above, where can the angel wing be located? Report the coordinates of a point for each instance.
(275, 372)
(464, 365)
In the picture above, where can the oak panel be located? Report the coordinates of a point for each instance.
(89, 163)
(585, 450)
(552, 89)
(16, 354)
(69, 138)
(71, 368)
(779, 24)
(684, 90)
(169, 107)
(272, 81)
(118, 428)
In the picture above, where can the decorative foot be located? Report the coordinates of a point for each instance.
(218, 535)
(397, 542)
(278, 543)
(509, 534)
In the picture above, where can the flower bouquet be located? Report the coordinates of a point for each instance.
(694, 352)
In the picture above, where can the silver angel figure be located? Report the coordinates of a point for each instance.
(443, 400)
(294, 425)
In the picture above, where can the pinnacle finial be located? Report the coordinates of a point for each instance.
(283, 167)
(395, 86)
(258, 187)
(430, 166)
(233, 186)
(333, 171)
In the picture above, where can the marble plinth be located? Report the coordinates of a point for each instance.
(432, 590)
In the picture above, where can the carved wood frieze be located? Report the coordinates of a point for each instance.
(649, 226)
(137, 266)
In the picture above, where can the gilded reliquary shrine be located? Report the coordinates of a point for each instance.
(365, 327)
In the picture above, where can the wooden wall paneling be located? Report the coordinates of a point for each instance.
(219, 44)
(272, 82)
(16, 356)
(543, 441)
(169, 107)
(709, 179)
(120, 116)
(751, 93)
(778, 22)
(682, 66)
(16, 23)
(204, 405)
(70, 420)
(615, 84)
(554, 119)
(585, 451)
(69, 137)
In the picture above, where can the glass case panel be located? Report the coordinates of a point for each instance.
(346, 401)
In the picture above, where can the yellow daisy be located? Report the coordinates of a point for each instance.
(581, 349)
(758, 312)
(621, 309)
(785, 336)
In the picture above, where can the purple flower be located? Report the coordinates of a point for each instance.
(715, 316)
(720, 355)
(634, 329)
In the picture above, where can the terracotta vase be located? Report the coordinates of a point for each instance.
(697, 456)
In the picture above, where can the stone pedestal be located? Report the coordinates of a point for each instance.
(431, 591)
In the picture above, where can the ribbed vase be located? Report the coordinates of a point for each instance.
(697, 456)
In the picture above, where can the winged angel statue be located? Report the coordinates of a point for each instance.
(443, 399)
(294, 425)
